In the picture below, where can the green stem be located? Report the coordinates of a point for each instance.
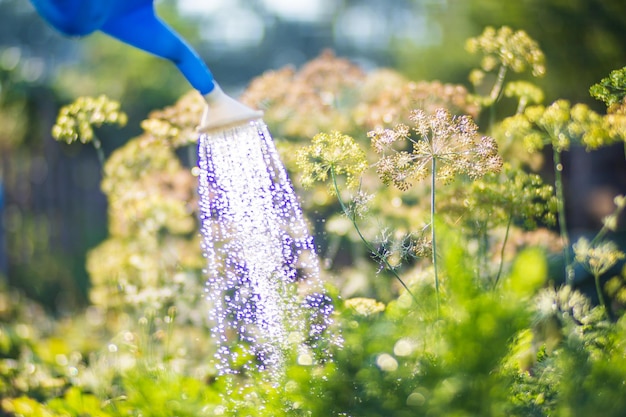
(506, 238)
(98, 145)
(494, 95)
(604, 230)
(560, 196)
(596, 278)
(483, 244)
(171, 316)
(367, 244)
(523, 101)
(497, 87)
(432, 228)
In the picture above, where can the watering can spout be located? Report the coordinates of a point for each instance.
(224, 111)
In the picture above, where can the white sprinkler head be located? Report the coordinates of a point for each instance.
(224, 112)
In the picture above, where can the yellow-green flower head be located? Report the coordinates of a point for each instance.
(505, 47)
(560, 125)
(612, 89)
(524, 90)
(615, 123)
(331, 154)
(76, 120)
(564, 304)
(177, 124)
(511, 193)
(365, 306)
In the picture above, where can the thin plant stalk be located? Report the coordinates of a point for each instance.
(432, 229)
(483, 245)
(560, 196)
(521, 105)
(496, 90)
(495, 94)
(605, 229)
(596, 278)
(506, 238)
(367, 244)
(98, 145)
(171, 316)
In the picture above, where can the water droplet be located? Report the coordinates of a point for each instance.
(386, 362)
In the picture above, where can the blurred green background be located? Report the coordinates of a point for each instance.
(51, 208)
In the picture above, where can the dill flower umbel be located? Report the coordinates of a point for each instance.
(365, 306)
(597, 258)
(611, 90)
(316, 98)
(498, 198)
(177, 124)
(560, 125)
(329, 155)
(76, 120)
(505, 47)
(453, 142)
(503, 50)
(566, 305)
(525, 92)
(387, 98)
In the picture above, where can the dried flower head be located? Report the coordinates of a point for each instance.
(453, 142)
(508, 48)
(398, 247)
(77, 120)
(359, 204)
(387, 98)
(314, 99)
(331, 154)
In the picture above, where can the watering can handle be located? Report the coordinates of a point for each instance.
(133, 22)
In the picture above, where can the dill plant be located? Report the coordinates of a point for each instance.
(612, 91)
(559, 125)
(442, 147)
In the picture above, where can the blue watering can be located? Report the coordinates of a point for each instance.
(135, 22)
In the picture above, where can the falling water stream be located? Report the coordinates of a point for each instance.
(266, 298)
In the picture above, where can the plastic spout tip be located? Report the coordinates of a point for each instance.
(225, 112)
